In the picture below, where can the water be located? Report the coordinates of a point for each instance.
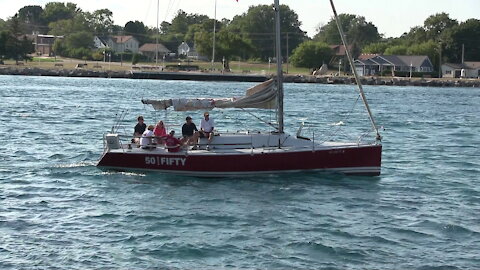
(58, 211)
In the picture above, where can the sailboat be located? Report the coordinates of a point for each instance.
(248, 153)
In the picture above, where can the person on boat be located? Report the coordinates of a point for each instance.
(139, 129)
(160, 132)
(189, 132)
(173, 144)
(147, 140)
(206, 128)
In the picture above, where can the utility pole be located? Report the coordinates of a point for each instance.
(463, 53)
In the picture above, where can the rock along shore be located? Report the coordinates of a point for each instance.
(395, 81)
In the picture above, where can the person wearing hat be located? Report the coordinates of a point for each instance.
(189, 132)
(146, 141)
(173, 144)
(206, 128)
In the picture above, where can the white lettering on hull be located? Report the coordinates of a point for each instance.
(165, 161)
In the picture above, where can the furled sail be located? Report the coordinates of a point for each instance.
(263, 96)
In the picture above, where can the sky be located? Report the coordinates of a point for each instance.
(392, 17)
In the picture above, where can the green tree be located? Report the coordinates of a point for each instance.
(466, 34)
(358, 31)
(396, 50)
(31, 16)
(69, 26)
(55, 11)
(436, 24)
(3, 25)
(17, 46)
(375, 48)
(416, 34)
(311, 54)
(137, 29)
(100, 21)
(183, 20)
(228, 45)
(258, 25)
(3, 44)
(206, 26)
(77, 40)
(429, 48)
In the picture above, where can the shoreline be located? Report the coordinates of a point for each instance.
(197, 76)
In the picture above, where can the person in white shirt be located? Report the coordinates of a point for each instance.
(207, 126)
(146, 141)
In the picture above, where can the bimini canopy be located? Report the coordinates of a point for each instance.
(262, 96)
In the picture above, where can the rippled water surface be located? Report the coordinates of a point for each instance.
(58, 211)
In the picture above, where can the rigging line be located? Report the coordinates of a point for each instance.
(336, 130)
(354, 70)
(260, 119)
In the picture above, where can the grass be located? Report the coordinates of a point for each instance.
(235, 66)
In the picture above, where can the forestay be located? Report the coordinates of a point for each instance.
(263, 96)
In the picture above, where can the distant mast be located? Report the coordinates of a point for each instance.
(214, 30)
(158, 33)
(279, 67)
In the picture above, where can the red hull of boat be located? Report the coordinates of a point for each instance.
(365, 160)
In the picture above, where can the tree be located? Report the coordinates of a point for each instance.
(206, 26)
(3, 44)
(258, 25)
(55, 11)
(436, 24)
(31, 16)
(358, 31)
(17, 46)
(183, 20)
(100, 21)
(375, 48)
(228, 44)
(466, 34)
(69, 26)
(3, 25)
(396, 50)
(416, 35)
(311, 54)
(137, 29)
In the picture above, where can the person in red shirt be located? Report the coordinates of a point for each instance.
(160, 132)
(173, 144)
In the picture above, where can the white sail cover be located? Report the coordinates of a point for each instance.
(262, 96)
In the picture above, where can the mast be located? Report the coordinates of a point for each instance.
(158, 33)
(279, 68)
(214, 30)
(352, 66)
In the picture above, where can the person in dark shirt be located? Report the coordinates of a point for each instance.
(189, 132)
(139, 129)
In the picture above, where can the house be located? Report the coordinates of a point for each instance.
(339, 54)
(44, 43)
(465, 70)
(150, 50)
(100, 42)
(123, 44)
(373, 64)
(190, 52)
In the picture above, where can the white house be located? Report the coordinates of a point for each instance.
(100, 42)
(465, 70)
(123, 44)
